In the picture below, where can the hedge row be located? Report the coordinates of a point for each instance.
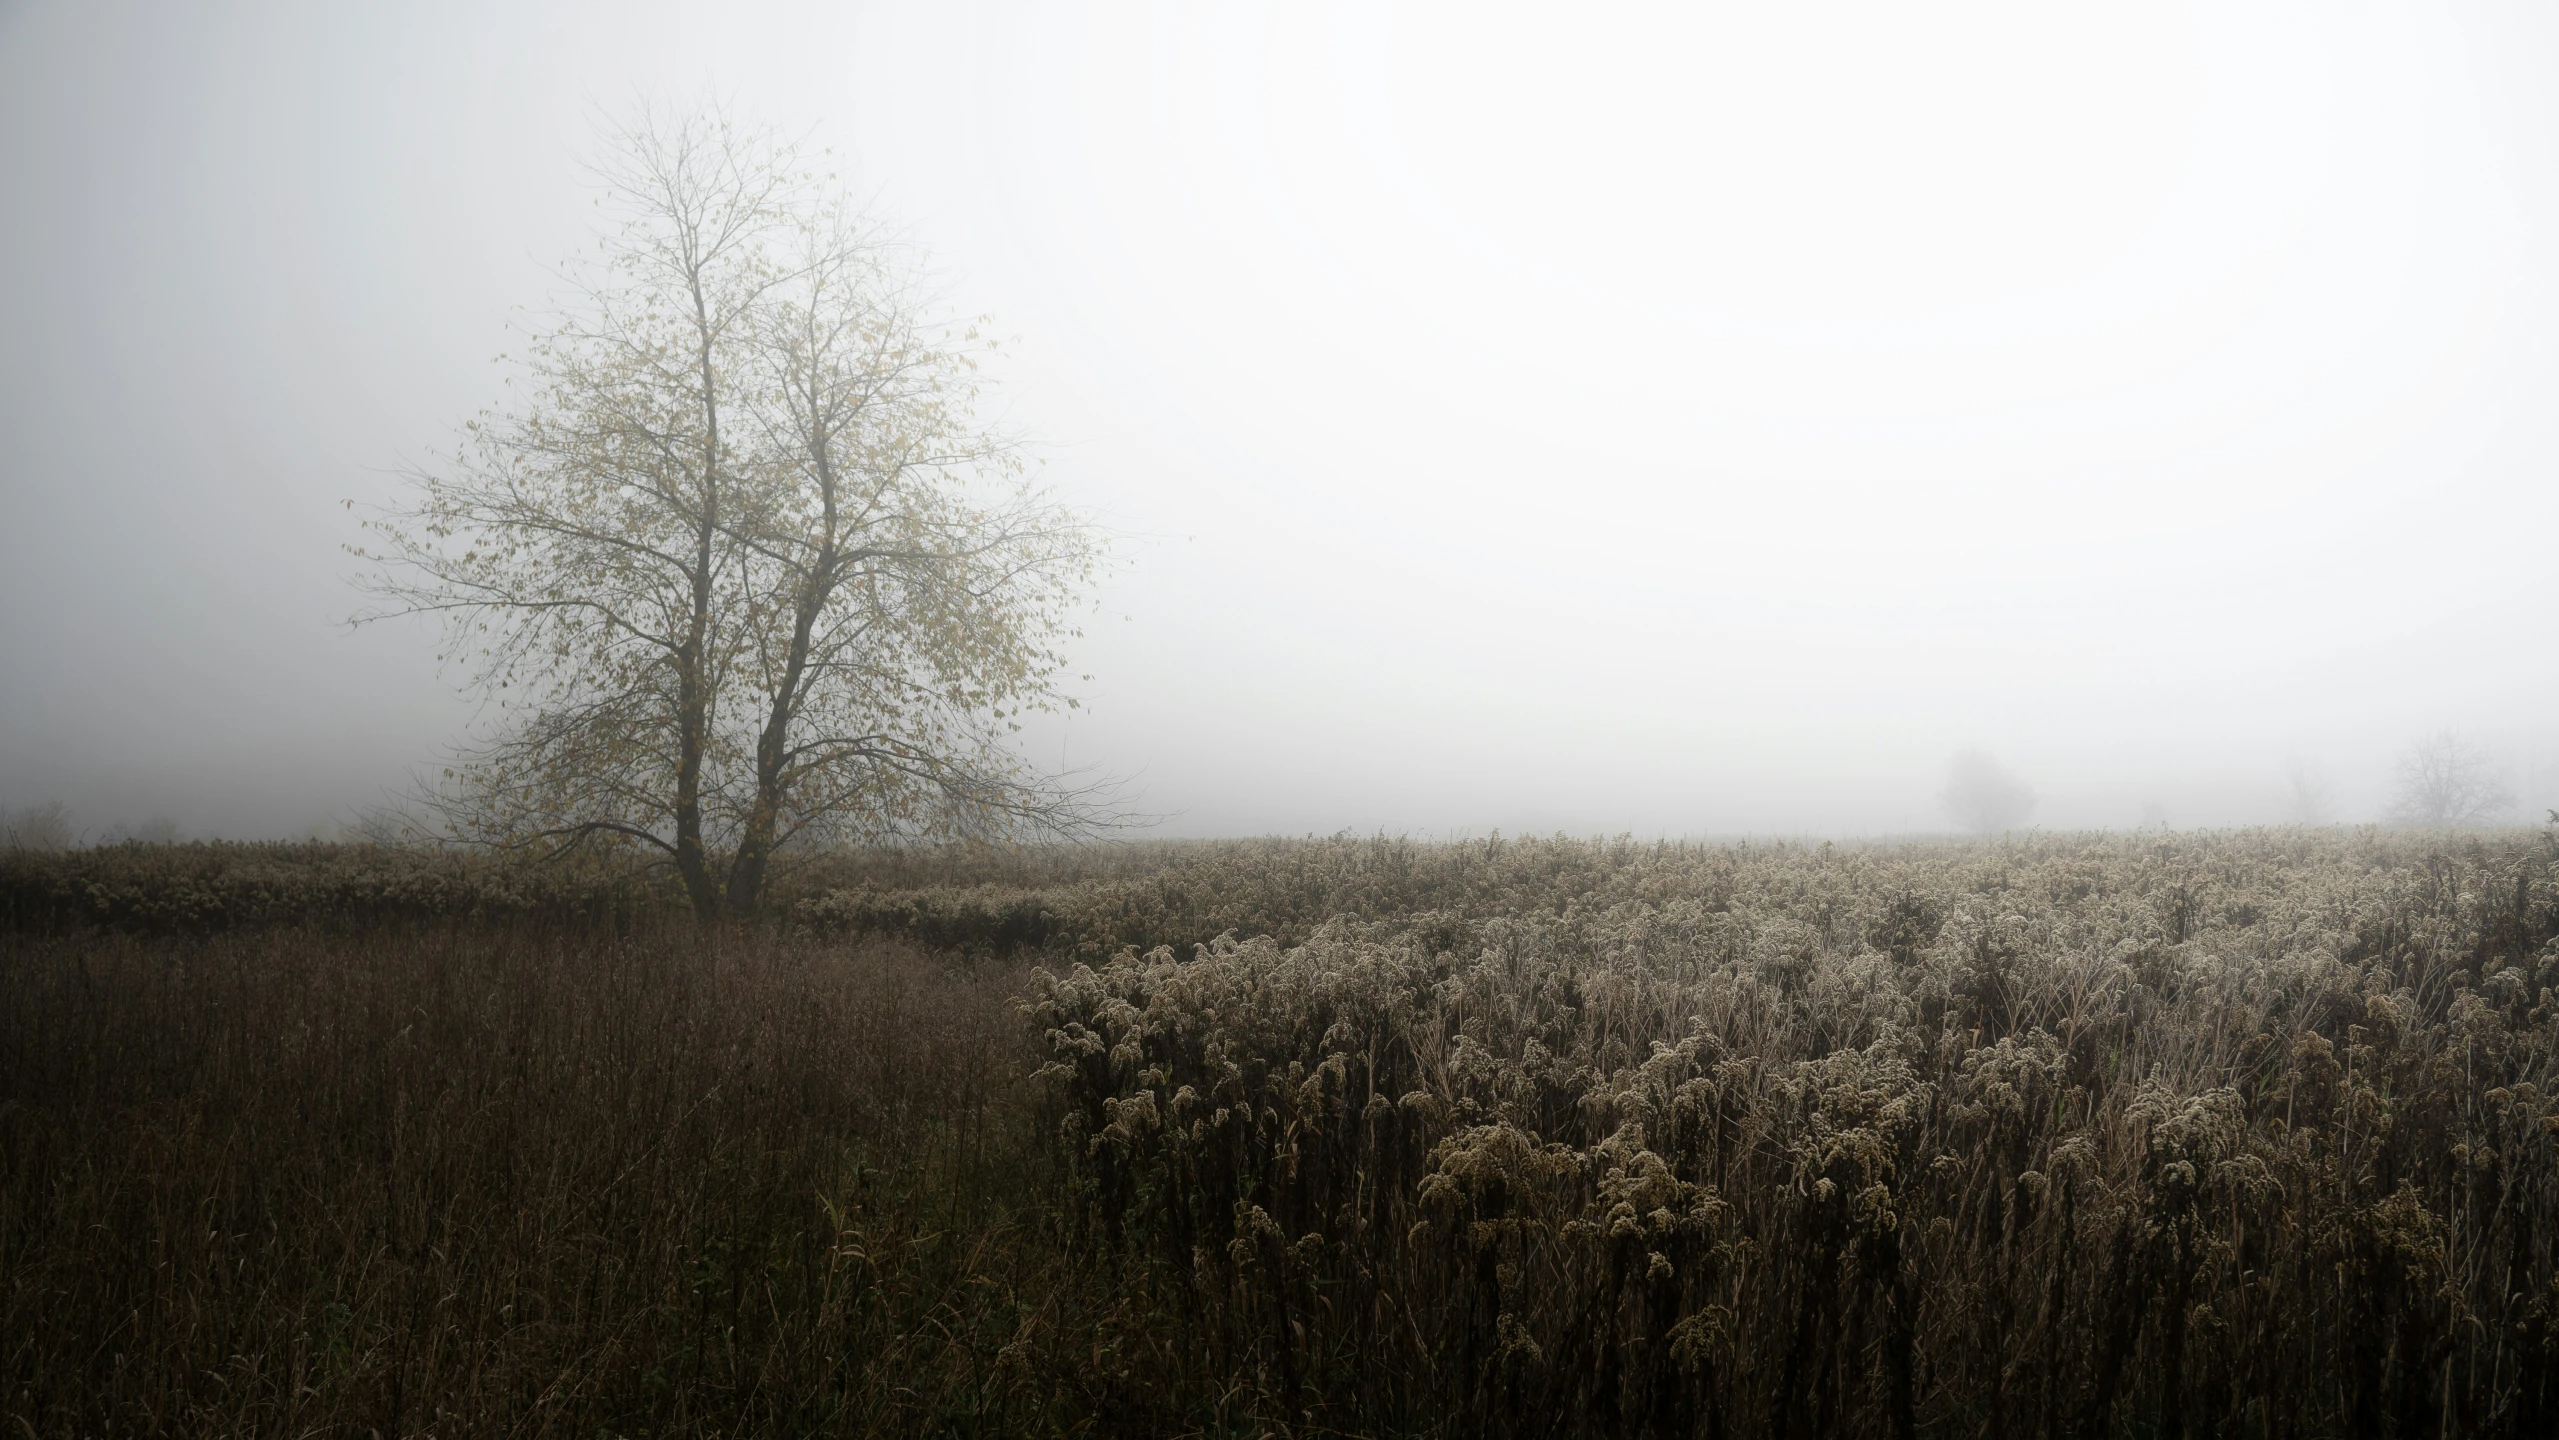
(217, 886)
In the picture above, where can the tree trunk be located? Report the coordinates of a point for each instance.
(772, 745)
(755, 846)
(693, 686)
(692, 862)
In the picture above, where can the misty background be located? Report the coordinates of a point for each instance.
(1689, 421)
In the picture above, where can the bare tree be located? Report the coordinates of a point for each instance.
(1981, 795)
(2444, 781)
(747, 566)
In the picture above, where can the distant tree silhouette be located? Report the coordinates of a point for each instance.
(2446, 781)
(1982, 796)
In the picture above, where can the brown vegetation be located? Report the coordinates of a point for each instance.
(484, 1182)
(2224, 1136)
(211, 887)
(2247, 1134)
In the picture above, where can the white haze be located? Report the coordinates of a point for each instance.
(1692, 420)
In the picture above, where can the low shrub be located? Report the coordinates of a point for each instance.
(210, 887)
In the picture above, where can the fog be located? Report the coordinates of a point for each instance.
(1692, 421)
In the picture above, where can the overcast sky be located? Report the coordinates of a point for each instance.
(1693, 421)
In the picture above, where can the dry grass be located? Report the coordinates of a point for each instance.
(2245, 1134)
(506, 1182)
(2252, 1135)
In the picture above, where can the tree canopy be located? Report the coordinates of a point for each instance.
(745, 568)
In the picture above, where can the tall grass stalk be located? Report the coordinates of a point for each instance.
(486, 1181)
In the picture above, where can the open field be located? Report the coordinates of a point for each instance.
(2249, 1134)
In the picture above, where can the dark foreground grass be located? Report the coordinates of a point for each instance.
(485, 1181)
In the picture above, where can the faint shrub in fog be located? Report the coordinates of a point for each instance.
(1982, 796)
(2445, 780)
(39, 827)
(2308, 798)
